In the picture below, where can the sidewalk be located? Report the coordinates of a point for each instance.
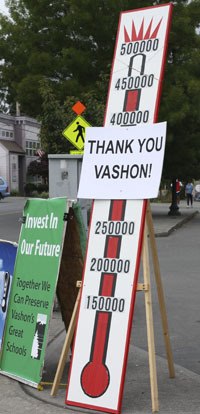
(180, 395)
(165, 224)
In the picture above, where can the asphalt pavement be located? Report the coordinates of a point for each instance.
(178, 395)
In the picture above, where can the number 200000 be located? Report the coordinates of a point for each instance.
(109, 265)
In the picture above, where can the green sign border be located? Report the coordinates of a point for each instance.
(33, 289)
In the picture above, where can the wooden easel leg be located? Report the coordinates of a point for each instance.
(149, 321)
(65, 349)
(160, 291)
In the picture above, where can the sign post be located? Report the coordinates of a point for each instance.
(96, 381)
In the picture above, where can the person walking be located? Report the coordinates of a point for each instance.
(189, 193)
(178, 190)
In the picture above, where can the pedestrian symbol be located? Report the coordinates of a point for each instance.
(81, 131)
(75, 132)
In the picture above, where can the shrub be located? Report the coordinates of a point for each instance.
(34, 194)
(42, 188)
(44, 194)
(29, 188)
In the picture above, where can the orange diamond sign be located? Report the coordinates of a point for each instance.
(78, 108)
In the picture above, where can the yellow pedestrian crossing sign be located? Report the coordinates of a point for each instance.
(75, 132)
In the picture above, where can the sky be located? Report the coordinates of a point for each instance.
(3, 8)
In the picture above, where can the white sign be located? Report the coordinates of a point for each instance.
(98, 363)
(96, 380)
(123, 163)
(138, 64)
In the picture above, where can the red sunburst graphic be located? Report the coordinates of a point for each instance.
(150, 33)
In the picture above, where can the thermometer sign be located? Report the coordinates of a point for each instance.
(109, 286)
(110, 277)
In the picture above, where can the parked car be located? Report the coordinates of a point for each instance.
(4, 191)
(197, 197)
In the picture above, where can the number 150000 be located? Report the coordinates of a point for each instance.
(105, 303)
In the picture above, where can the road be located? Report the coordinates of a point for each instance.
(11, 211)
(179, 260)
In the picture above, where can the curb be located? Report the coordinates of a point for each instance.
(177, 225)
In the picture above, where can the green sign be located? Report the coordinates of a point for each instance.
(33, 289)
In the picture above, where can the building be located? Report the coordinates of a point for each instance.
(19, 140)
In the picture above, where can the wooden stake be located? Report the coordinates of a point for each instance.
(150, 328)
(65, 349)
(160, 292)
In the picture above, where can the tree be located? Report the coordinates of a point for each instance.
(31, 43)
(68, 42)
(52, 122)
(35, 346)
(55, 117)
(180, 104)
(55, 53)
(39, 167)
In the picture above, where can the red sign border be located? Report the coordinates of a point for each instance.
(134, 289)
(170, 5)
(144, 207)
